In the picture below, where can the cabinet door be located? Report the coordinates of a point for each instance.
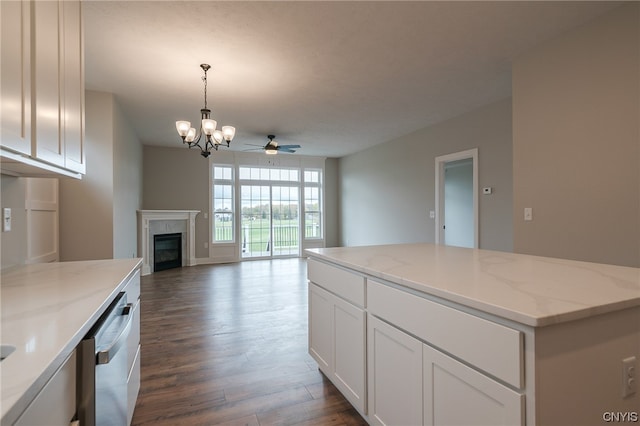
(395, 375)
(455, 394)
(72, 99)
(15, 76)
(46, 64)
(55, 405)
(320, 347)
(349, 352)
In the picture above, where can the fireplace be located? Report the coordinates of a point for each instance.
(167, 251)
(162, 222)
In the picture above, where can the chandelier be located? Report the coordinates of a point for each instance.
(212, 136)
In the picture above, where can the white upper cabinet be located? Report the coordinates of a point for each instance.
(15, 99)
(42, 88)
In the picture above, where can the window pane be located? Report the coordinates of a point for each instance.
(223, 227)
(223, 217)
(312, 225)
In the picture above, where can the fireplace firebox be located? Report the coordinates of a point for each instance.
(167, 251)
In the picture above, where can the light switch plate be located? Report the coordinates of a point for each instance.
(6, 219)
(528, 213)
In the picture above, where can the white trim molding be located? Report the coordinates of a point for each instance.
(145, 217)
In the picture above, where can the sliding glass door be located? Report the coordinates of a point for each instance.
(285, 224)
(270, 220)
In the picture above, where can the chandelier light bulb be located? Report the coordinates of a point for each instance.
(191, 135)
(183, 128)
(217, 136)
(228, 132)
(208, 126)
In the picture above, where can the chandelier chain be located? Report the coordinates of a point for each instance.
(204, 79)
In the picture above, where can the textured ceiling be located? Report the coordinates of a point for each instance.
(334, 77)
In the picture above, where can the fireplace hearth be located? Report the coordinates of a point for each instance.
(167, 251)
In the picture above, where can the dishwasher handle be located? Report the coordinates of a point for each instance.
(105, 356)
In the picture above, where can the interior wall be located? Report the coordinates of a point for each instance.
(387, 191)
(86, 205)
(178, 179)
(127, 186)
(98, 212)
(576, 143)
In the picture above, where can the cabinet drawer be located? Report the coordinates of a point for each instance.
(491, 347)
(345, 284)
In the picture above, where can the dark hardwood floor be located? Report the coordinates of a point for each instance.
(227, 345)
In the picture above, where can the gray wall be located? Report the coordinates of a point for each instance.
(127, 186)
(576, 153)
(97, 213)
(86, 206)
(178, 179)
(386, 192)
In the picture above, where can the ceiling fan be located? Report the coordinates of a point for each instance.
(272, 147)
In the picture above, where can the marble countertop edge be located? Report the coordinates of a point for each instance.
(569, 312)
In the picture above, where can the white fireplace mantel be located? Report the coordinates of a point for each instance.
(145, 243)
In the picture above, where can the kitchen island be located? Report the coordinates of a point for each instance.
(430, 334)
(46, 310)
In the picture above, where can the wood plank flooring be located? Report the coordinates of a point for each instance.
(227, 345)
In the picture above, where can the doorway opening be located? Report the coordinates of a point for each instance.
(457, 199)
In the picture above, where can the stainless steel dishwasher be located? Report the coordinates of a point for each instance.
(102, 378)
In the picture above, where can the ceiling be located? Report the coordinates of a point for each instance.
(334, 77)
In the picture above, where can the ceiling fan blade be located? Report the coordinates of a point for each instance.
(286, 150)
(288, 146)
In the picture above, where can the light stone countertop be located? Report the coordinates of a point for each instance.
(531, 290)
(47, 309)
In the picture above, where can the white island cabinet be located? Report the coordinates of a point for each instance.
(337, 328)
(473, 337)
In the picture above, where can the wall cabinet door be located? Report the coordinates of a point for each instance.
(395, 375)
(46, 71)
(15, 75)
(72, 96)
(449, 385)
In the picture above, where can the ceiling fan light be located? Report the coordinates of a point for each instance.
(208, 126)
(183, 128)
(217, 136)
(271, 151)
(228, 132)
(191, 135)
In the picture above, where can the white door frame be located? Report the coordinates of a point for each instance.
(439, 168)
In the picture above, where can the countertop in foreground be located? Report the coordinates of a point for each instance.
(47, 309)
(532, 290)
